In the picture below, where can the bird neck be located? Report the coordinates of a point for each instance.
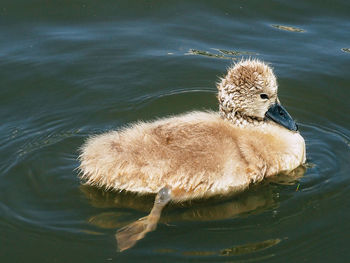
(241, 120)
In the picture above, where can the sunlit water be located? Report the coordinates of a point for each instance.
(69, 70)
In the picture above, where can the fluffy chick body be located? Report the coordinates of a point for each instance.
(198, 154)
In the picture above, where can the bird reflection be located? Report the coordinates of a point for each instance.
(257, 199)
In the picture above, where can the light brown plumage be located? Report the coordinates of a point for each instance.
(199, 154)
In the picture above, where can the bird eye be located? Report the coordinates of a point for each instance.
(264, 96)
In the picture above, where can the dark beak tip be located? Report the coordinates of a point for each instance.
(296, 127)
(279, 114)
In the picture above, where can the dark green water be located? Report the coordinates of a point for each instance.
(69, 69)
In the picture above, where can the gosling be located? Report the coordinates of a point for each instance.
(199, 154)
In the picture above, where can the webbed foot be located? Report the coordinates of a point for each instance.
(130, 234)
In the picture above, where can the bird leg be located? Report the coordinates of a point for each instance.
(130, 234)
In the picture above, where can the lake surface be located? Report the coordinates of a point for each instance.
(70, 69)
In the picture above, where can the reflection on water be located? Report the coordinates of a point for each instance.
(225, 54)
(253, 201)
(205, 53)
(250, 248)
(258, 198)
(289, 28)
(232, 251)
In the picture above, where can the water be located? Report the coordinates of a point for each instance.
(72, 69)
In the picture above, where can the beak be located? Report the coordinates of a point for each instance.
(280, 115)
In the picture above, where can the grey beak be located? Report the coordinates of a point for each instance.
(280, 115)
